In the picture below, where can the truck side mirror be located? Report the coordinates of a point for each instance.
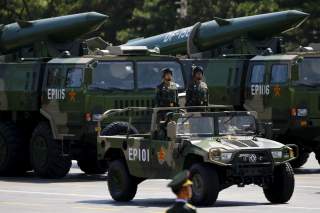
(88, 76)
(171, 130)
(295, 72)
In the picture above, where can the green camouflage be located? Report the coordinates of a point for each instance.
(225, 140)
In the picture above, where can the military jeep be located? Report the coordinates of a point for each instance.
(220, 148)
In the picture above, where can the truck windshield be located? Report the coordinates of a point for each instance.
(113, 75)
(195, 126)
(237, 125)
(309, 72)
(149, 73)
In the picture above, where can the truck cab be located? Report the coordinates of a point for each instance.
(281, 88)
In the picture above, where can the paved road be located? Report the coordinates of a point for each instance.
(80, 193)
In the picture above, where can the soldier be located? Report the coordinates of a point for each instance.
(197, 91)
(167, 91)
(181, 187)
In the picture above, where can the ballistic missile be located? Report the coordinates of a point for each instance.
(204, 36)
(58, 29)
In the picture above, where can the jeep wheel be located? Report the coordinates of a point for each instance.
(122, 186)
(46, 154)
(282, 187)
(13, 150)
(119, 128)
(205, 187)
(92, 166)
(302, 158)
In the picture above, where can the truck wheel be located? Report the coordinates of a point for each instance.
(122, 186)
(205, 187)
(119, 128)
(46, 154)
(92, 166)
(282, 187)
(300, 160)
(13, 150)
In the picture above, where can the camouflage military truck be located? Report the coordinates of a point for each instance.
(219, 148)
(54, 86)
(283, 89)
(48, 109)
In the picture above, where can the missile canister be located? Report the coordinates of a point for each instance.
(58, 29)
(204, 36)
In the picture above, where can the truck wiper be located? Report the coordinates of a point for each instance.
(307, 83)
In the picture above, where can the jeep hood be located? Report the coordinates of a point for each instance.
(236, 143)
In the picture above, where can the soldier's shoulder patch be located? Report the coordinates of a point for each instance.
(189, 206)
(173, 85)
(204, 85)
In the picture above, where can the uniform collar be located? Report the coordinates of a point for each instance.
(181, 200)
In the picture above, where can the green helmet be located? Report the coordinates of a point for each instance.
(166, 70)
(196, 69)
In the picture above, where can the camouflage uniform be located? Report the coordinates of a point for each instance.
(167, 95)
(197, 91)
(197, 94)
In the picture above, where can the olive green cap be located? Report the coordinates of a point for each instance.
(180, 180)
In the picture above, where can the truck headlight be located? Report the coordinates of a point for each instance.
(226, 156)
(302, 112)
(277, 154)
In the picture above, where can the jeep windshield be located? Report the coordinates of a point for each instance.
(237, 125)
(195, 126)
(309, 72)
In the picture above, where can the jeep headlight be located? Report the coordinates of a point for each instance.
(277, 154)
(285, 153)
(217, 154)
(302, 112)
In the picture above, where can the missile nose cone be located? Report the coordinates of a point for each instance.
(95, 17)
(297, 15)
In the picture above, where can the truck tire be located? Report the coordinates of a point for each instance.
(282, 187)
(300, 160)
(92, 166)
(205, 189)
(119, 128)
(46, 154)
(122, 186)
(13, 150)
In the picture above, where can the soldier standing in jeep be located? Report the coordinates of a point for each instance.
(167, 91)
(197, 91)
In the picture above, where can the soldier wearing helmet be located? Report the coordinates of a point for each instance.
(167, 91)
(197, 91)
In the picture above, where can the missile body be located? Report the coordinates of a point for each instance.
(219, 31)
(58, 29)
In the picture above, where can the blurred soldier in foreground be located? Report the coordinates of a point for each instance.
(181, 187)
(197, 91)
(167, 91)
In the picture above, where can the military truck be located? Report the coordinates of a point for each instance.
(54, 85)
(220, 148)
(282, 88)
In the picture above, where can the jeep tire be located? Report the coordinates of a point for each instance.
(13, 150)
(122, 186)
(46, 154)
(282, 187)
(205, 189)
